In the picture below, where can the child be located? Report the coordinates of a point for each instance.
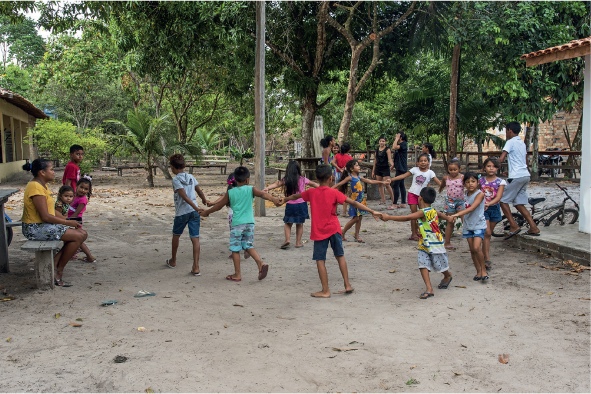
(353, 168)
(474, 223)
(381, 171)
(296, 211)
(492, 187)
(65, 195)
(186, 211)
(455, 196)
(339, 162)
(432, 254)
(422, 175)
(78, 207)
(72, 171)
(326, 227)
(428, 149)
(400, 146)
(241, 200)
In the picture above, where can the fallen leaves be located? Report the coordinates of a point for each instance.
(457, 373)
(549, 293)
(575, 267)
(75, 324)
(142, 329)
(461, 287)
(392, 271)
(393, 290)
(464, 346)
(532, 263)
(57, 315)
(8, 339)
(225, 326)
(503, 358)
(336, 349)
(238, 305)
(584, 298)
(550, 268)
(413, 367)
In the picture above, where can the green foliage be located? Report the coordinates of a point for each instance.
(16, 79)
(54, 139)
(20, 42)
(207, 140)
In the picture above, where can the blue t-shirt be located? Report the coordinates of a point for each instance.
(187, 182)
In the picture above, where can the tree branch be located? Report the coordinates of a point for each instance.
(350, 39)
(321, 40)
(282, 55)
(324, 103)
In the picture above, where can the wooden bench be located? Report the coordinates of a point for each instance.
(210, 161)
(43, 261)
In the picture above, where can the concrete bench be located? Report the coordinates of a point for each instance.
(13, 224)
(43, 261)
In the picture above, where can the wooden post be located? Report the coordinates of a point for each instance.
(452, 144)
(259, 107)
(2, 140)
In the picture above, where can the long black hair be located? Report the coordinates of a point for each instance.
(231, 185)
(293, 173)
(403, 137)
(432, 152)
(36, 166)
(87, 180)
(345, 148)
(346, 172)
(325, 142)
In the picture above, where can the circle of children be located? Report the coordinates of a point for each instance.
(473, 197)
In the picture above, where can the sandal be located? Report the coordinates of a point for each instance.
(359, 240)
(511, 234)
(195, 273)
(426, 295)
(444, 285)
(392, 207)
(61, 283)
(488, 264)
(168, 264)
(88, 259)
(484, 278)
(285, 245)
(229, 277)
(263, 271)
(413, 239)
(477, 278)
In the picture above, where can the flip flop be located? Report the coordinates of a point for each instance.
(450, 247)
(229, 277)
(413, 239)
(444, 285)
(195, 273)
(488, 264)
(392, 207)
(511, 234)
(532, 234)
(61, 283)
(484, 278)
(143, 293)
(297, 247)
(345, 291)
(359, 240)
(285, 246)
(263, 271)
(426, 295)
(87, 260)
(477, 278)
(170, 266)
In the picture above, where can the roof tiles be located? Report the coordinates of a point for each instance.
(565, 47)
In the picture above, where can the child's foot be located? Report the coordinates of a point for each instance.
(285, 245)
(382, 203)
(263, 271)
(89, 259)
(392, 207)
(450, 246)
(171, 263)
(402, 206)
(348, 290)
(344, 238)
(359, 240)
(233, 278)
(443, 285)
(426, 295)
(488, 264)
(321, 294)
(300, 245)
(414, 238)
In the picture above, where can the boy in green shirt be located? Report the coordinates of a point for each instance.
(242, 228)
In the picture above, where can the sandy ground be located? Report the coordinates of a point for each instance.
(208, 334)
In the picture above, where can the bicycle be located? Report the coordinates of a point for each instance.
(553, 215)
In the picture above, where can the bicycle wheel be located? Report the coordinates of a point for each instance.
(570, 217)
(504, 226)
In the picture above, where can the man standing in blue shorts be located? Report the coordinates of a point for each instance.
(515, 193)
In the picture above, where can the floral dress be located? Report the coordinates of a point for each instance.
(357, 195)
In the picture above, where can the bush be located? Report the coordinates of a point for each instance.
(55, 138)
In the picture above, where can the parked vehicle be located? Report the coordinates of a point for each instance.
(549, 160)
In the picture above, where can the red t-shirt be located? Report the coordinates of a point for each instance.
(323, 204)
(72, 171)
(342, 160)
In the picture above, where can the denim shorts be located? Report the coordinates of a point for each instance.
(493, 213)
(242, 237)
(192, 219)
(473, 234)
(320, 247)
(453, 205)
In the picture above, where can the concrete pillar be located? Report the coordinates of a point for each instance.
(2, 143)
(259, 107)
(32, 146)
(12, 138)
(585, 200)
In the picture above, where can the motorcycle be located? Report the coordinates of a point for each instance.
(549, 160)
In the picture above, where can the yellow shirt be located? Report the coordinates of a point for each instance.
(30, 214)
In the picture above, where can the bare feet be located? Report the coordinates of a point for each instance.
(321, 294)
(402, 206)
(346, 291)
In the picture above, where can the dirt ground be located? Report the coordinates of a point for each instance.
(207, 334)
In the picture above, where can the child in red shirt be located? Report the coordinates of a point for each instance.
(339, 162)
(325, 225)
(72, 171)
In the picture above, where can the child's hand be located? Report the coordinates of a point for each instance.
(386, 182)
(266, 190)
(377, 215)
(203, 213)
(384, 217)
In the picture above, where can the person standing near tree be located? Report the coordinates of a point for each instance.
(516, 190)
(400, 147)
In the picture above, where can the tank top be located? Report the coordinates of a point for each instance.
(474, 220)
(382, 158)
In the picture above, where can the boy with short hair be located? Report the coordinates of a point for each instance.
(241, 200)
(72, 170)
(326, 227)
(186, 210)
(431, 251)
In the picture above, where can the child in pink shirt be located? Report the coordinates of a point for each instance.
(78, 207)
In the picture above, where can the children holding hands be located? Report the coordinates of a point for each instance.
(351, 175)
(455, 196)
(431, 251)
(241, 199)
(493, 188)
(326, 227)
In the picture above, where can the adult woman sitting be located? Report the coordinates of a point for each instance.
(40, 222)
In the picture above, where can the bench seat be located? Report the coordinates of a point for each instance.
(44, 252)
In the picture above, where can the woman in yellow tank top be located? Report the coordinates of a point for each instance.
(40, 222)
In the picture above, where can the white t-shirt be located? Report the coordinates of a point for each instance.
(188, 182)
(516, 157)
(430, 160)
(420, 180)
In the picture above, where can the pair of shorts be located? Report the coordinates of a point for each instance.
(320, 247)
(192, 219)
(516, 191)
(43, 231)
(453, 205)
(473, 234)
(382, 171)
(242, 237)
(493, 213)
(337, 177)
(296, 213)
(413, 199)
(433, 261)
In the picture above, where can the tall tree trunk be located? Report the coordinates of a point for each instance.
(309, 109)
(350, 101)
(163, 167)
(150, 174)
(452, 145)
(479, 145)
(534, 158)
(529, 130)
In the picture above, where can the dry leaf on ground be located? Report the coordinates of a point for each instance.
(75, 324)
(503, 358)
(336, 349)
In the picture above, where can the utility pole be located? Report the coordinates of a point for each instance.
(259, 108)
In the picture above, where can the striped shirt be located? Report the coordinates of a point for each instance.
(431, 240)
